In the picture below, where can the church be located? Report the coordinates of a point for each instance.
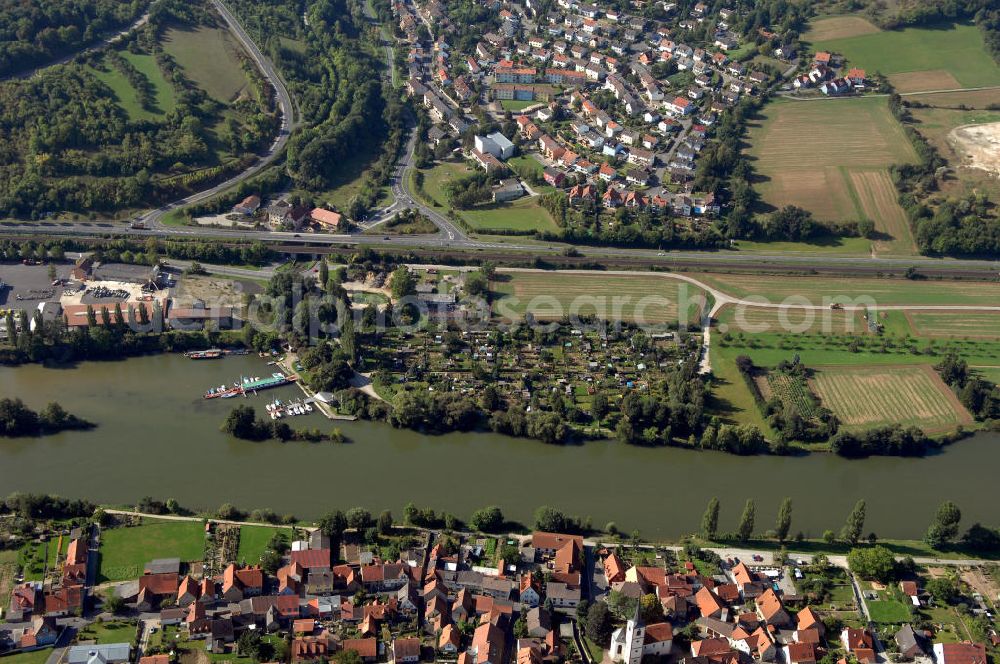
(630, 643)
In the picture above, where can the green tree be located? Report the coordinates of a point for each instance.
(944, 528)
(873, 563)
(402, 283)
(598, 625)
(745, 529)
(784, 523)
(851, 532)
(710, 520)
(550, 519)
(488, 519)
(324, 272)
(385, 522)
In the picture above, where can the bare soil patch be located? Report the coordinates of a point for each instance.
(981, 582)
(922, 81)
(979, 146)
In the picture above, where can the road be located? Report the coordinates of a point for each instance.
(288, 122)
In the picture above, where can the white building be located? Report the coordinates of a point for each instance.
(633, 641)
(495, 144)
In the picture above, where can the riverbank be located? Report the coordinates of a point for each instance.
(151, 414)
(835, 551)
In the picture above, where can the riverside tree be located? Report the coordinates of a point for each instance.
(745, 530)
(710, 520)
(944, 529)
(784, 523)
(851, 531)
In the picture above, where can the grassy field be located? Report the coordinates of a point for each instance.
(554, 295)
(866, 397)
(210, 57)
(164, 92)
(805, 152)
(524, 214)
(254, 541)
(838, 27)
(795, 321)
(126, 95)
(926, 58)
(826, 245)
(969, 325)
(883, 291)
(124, 551)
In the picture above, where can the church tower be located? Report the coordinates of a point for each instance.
(635, 637)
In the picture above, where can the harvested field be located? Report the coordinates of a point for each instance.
(839, 27)
(755, 320)
(979, 145)
(805, 152)
(878, 198)
(977, 325)
(870, 397)
(920, 81)
(653, 299)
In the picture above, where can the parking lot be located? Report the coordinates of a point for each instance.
(28, 285)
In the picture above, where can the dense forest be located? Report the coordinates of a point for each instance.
(334, 76)
(35, 32)
(68, 144)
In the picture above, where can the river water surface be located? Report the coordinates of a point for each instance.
(156, 436)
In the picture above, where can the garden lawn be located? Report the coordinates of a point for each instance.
(110, 632)
(517, 104)
(125, 551)
(888, 611)
(33, 657)
(254, 541)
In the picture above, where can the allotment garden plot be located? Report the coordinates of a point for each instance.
(868, 397)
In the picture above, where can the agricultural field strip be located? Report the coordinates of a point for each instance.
(722, 298)
(862, 396)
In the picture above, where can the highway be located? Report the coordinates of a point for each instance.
(450, 236)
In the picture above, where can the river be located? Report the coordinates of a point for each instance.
(156, 436)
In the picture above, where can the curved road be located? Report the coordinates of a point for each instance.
(288, 122)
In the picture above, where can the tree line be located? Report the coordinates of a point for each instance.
(34, 33)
